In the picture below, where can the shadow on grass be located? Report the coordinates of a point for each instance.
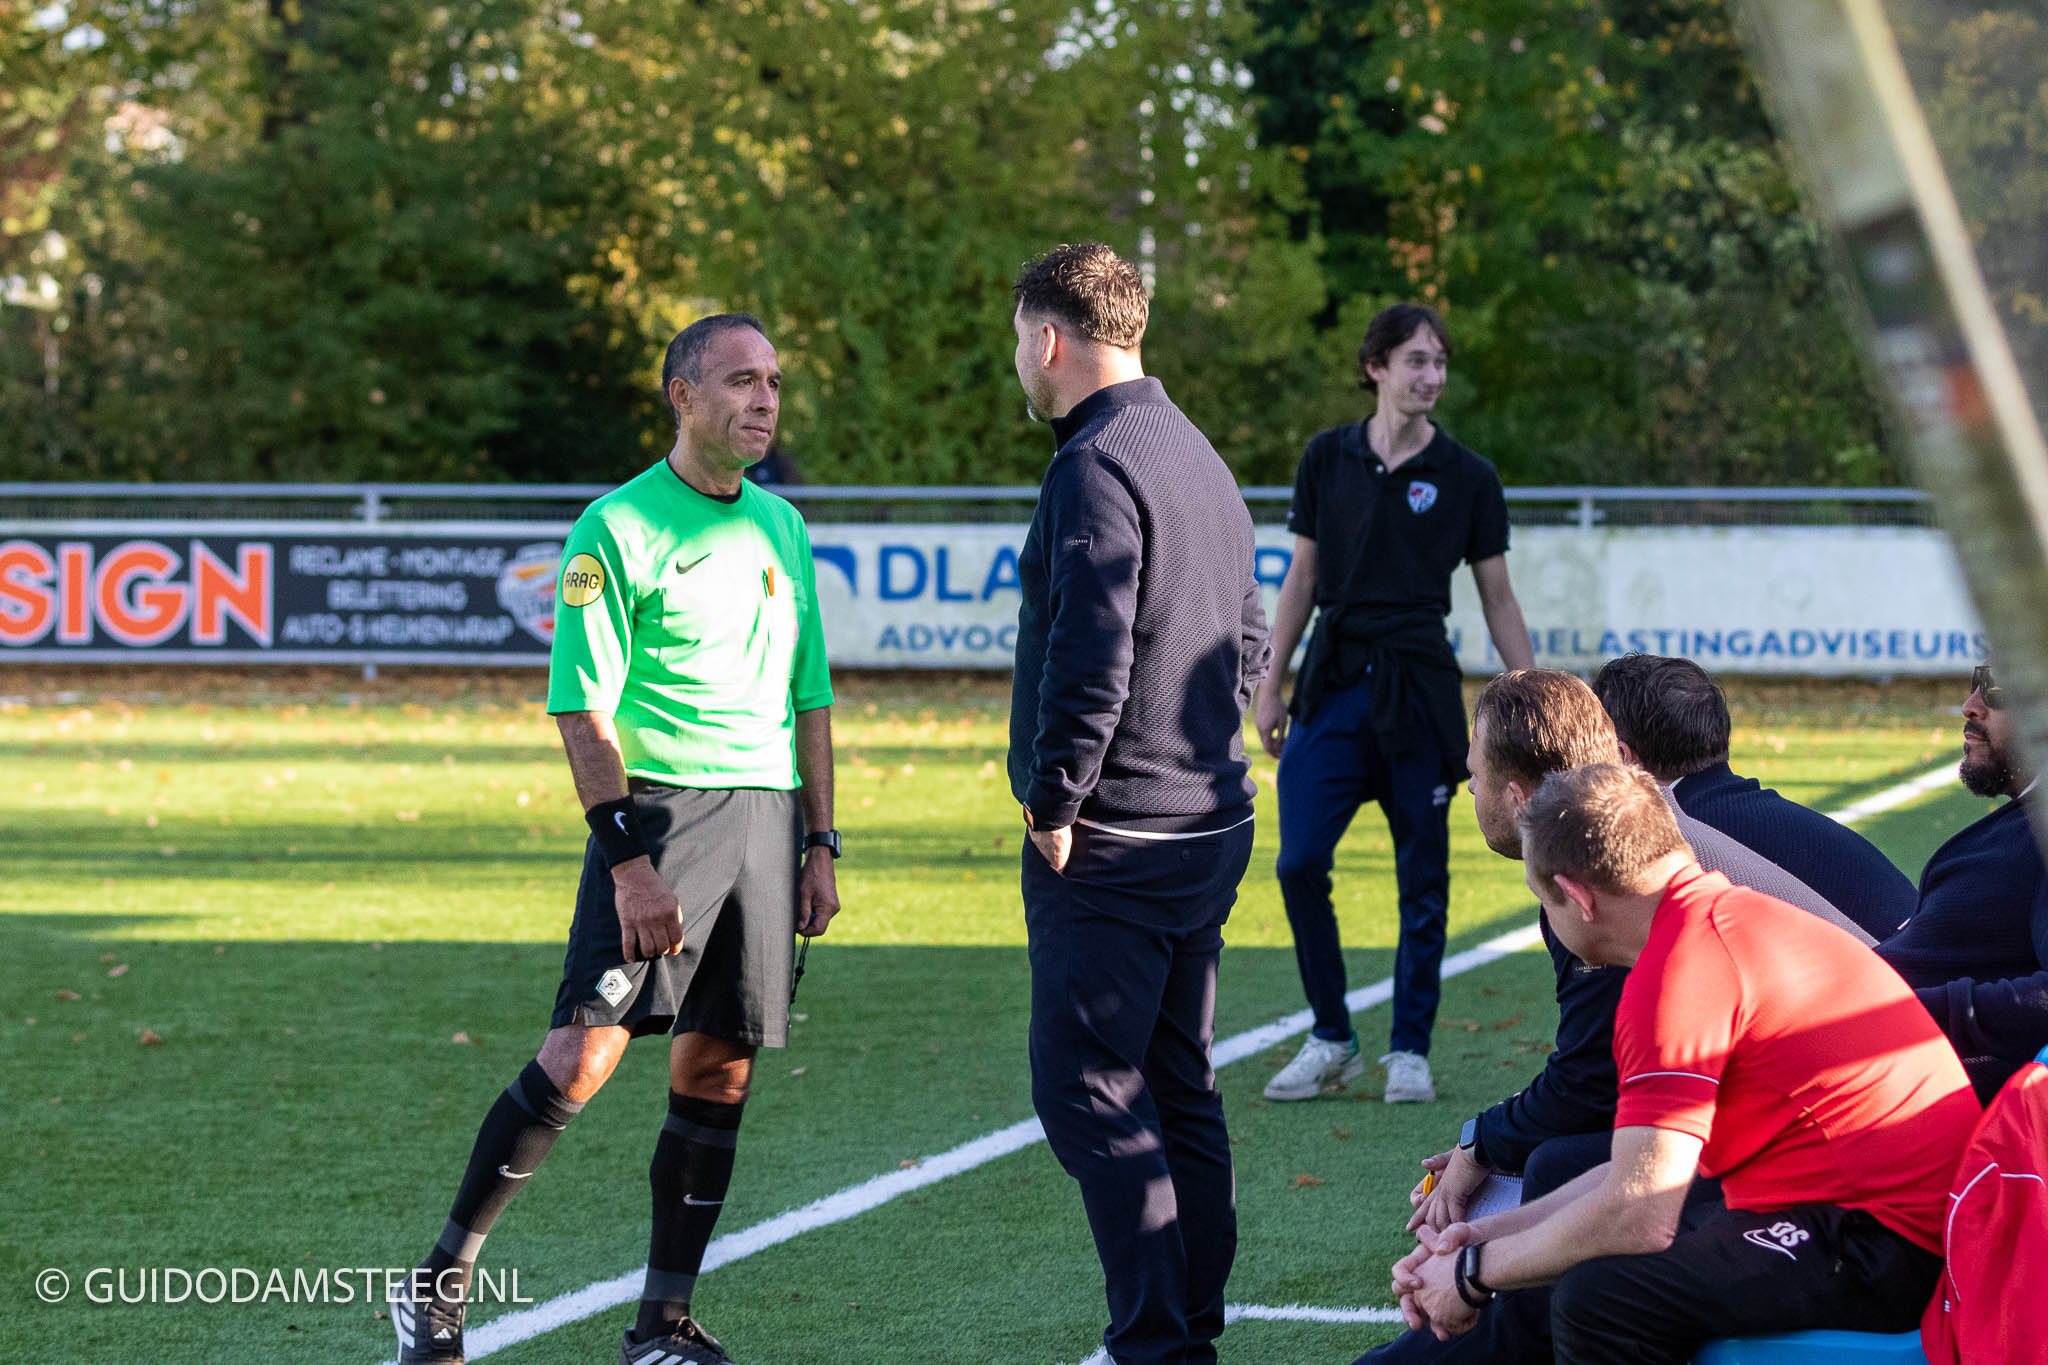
(144, 751)
(85, 842)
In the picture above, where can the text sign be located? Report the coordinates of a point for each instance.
(229, 596)
(1848, 602)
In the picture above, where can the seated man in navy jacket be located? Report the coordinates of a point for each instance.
(1976, 950)
(1673, 721)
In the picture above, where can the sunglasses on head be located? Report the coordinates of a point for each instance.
(1981, 681)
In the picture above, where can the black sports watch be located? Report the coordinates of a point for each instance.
(1468, 1142)
(824, 838)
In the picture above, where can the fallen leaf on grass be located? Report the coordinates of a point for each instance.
(797, 1070)
(119, 969)
(909, 1163)
(1302, 1182)
(463, 1038)
(69, 995)
(151, 1038)
(109, 957)
(1341, 1134)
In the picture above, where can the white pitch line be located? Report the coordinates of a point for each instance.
(1301, 1312)
(1893, 797)
(851, 1202)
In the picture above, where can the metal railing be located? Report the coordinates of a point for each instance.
(388, 504)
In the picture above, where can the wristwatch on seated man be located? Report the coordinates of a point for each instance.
(826, 839)
(1468, 1142)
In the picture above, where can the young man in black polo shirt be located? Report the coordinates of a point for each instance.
(1384, 511)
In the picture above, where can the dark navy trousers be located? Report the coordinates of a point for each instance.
(1332, 765)
(1124, 947)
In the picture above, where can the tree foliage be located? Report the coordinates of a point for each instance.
(355, 239)
(1590, 191)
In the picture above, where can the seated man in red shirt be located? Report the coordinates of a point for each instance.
(1754, 1043)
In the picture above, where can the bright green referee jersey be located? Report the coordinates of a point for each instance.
(694, 624)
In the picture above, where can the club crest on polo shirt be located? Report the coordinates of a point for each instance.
(1421, 497)
(613, 986)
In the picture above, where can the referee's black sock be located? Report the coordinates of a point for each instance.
(691, 1169)
(516, 1134)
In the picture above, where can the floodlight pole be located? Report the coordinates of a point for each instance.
(1838, 89)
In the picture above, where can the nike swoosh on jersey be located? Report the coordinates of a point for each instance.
(685, 568)
(620, 817)
(513, 1175)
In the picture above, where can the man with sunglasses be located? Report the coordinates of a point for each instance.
(1976, 949)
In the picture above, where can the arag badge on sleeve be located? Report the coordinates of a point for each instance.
(1421, 496)
(582, 581)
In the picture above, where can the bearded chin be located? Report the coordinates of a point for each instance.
(1987, 776)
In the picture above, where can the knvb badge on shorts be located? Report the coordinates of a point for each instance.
(582, 580)
(614, 985)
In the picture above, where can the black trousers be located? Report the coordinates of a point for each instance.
(1123, 950)
(1736, 1274)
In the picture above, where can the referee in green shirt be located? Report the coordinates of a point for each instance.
(688, 679)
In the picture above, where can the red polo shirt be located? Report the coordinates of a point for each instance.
(1796, 1054)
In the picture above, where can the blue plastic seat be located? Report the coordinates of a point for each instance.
(1813, 1348)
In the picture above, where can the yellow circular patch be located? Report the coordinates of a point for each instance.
(582, 581)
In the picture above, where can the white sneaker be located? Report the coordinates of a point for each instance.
(1408, 1078)
(1319, 1063)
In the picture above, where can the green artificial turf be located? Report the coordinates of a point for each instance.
(268, 952)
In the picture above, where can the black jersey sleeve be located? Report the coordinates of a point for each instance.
(1489, 534)
(1301, 512)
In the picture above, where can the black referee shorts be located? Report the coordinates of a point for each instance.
(731, 857)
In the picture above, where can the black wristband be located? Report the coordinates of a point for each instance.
(616, 827)
(1466, 1275)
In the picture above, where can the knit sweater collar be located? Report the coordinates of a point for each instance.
(1105, 402)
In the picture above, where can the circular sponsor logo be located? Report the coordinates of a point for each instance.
(526, 588)
(582, 581)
